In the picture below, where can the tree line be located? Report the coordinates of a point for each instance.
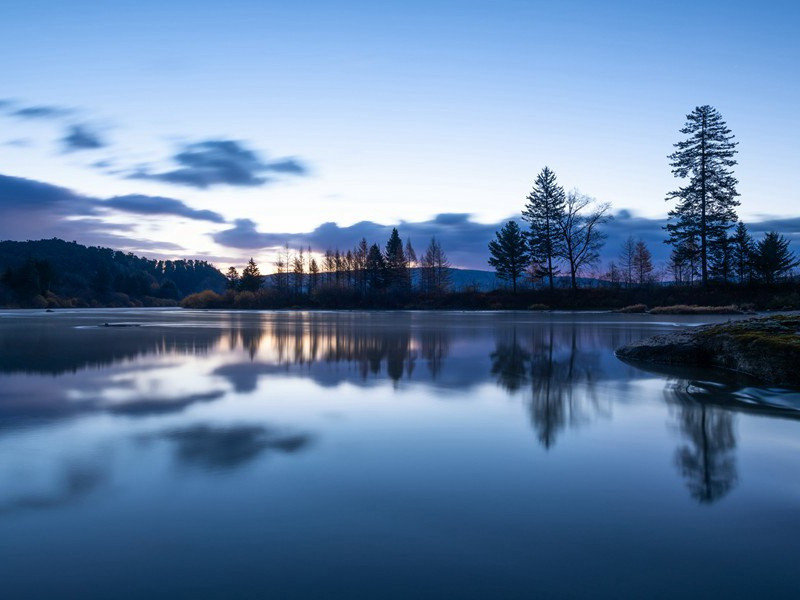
(57, 273)
(709, 243)
(365, 272)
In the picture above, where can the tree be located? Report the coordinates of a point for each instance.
(626, 256)
(706, 204)
(252, 279)
(396, 262)
(543, 212)
(298, 271)
(232, 277)
(581, 238)
(509, 253)
(411, 261)
(742, 253)
(435, 269)
(642, 263)
(375, 268)
(721, 258)
(772, 258)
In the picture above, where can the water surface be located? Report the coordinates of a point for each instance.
(384, 455)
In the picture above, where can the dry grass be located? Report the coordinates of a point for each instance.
(691, 309)
(633, 308)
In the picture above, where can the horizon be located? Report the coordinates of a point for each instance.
(182, 140)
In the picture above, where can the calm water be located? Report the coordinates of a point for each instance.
(383, 455)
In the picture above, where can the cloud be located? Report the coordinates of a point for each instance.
(158, 205)
(34, 209)
(81, 137)
(465, 241)
(42, 112)
(220, 162)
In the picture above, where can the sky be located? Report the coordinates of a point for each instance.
(221, 130)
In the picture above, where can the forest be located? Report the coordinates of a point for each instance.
(57, 274)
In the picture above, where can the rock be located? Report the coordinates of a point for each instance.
(766, 348)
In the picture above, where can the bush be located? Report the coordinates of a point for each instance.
(206, 299)
(633, 308)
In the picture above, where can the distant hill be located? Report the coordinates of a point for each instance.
(58, 273)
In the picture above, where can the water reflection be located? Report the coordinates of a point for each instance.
(707, 460)
(225, 448)
(351, 443)
(558, 370)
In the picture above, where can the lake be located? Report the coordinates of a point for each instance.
(384, 455)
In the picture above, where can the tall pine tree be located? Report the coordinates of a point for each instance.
(543, 212)
(509, 253)
(706, 205)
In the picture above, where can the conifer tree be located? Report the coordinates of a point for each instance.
(544, 210)
(509, 253)
(742, 253)
(233, 279)
(772, 258)
(706, 205)
(375, 268)
(252, 279)
(396, 263)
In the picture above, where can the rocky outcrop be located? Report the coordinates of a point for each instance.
(767, 348)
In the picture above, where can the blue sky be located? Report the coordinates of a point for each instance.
(390, 112)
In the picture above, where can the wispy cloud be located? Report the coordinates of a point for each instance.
(82, 137)
(220, 162)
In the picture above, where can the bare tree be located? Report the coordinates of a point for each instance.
(579, 228)
(626, 255)
(642, 264)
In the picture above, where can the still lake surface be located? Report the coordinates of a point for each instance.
(384, 455)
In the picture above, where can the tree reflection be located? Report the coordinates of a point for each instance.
(707, 460)
(561, 371)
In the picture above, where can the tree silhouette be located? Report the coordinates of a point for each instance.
(509, 253)
(581, 238)
(252, 279)
(642, 263)
(772, 258)
(543, 211)
(742, 253)
(706, 204)
(232, 277)
(396, 263)
(375, 269)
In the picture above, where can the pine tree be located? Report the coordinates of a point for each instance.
(396, 263)
(375, 268)
(544, 210)
(742, 253)
(509, 253)
(706, 205)
(772, 258)
(233, 278)
(252, 279)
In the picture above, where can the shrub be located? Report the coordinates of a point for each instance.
(633, 308)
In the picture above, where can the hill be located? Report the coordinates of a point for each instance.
(56, 273)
